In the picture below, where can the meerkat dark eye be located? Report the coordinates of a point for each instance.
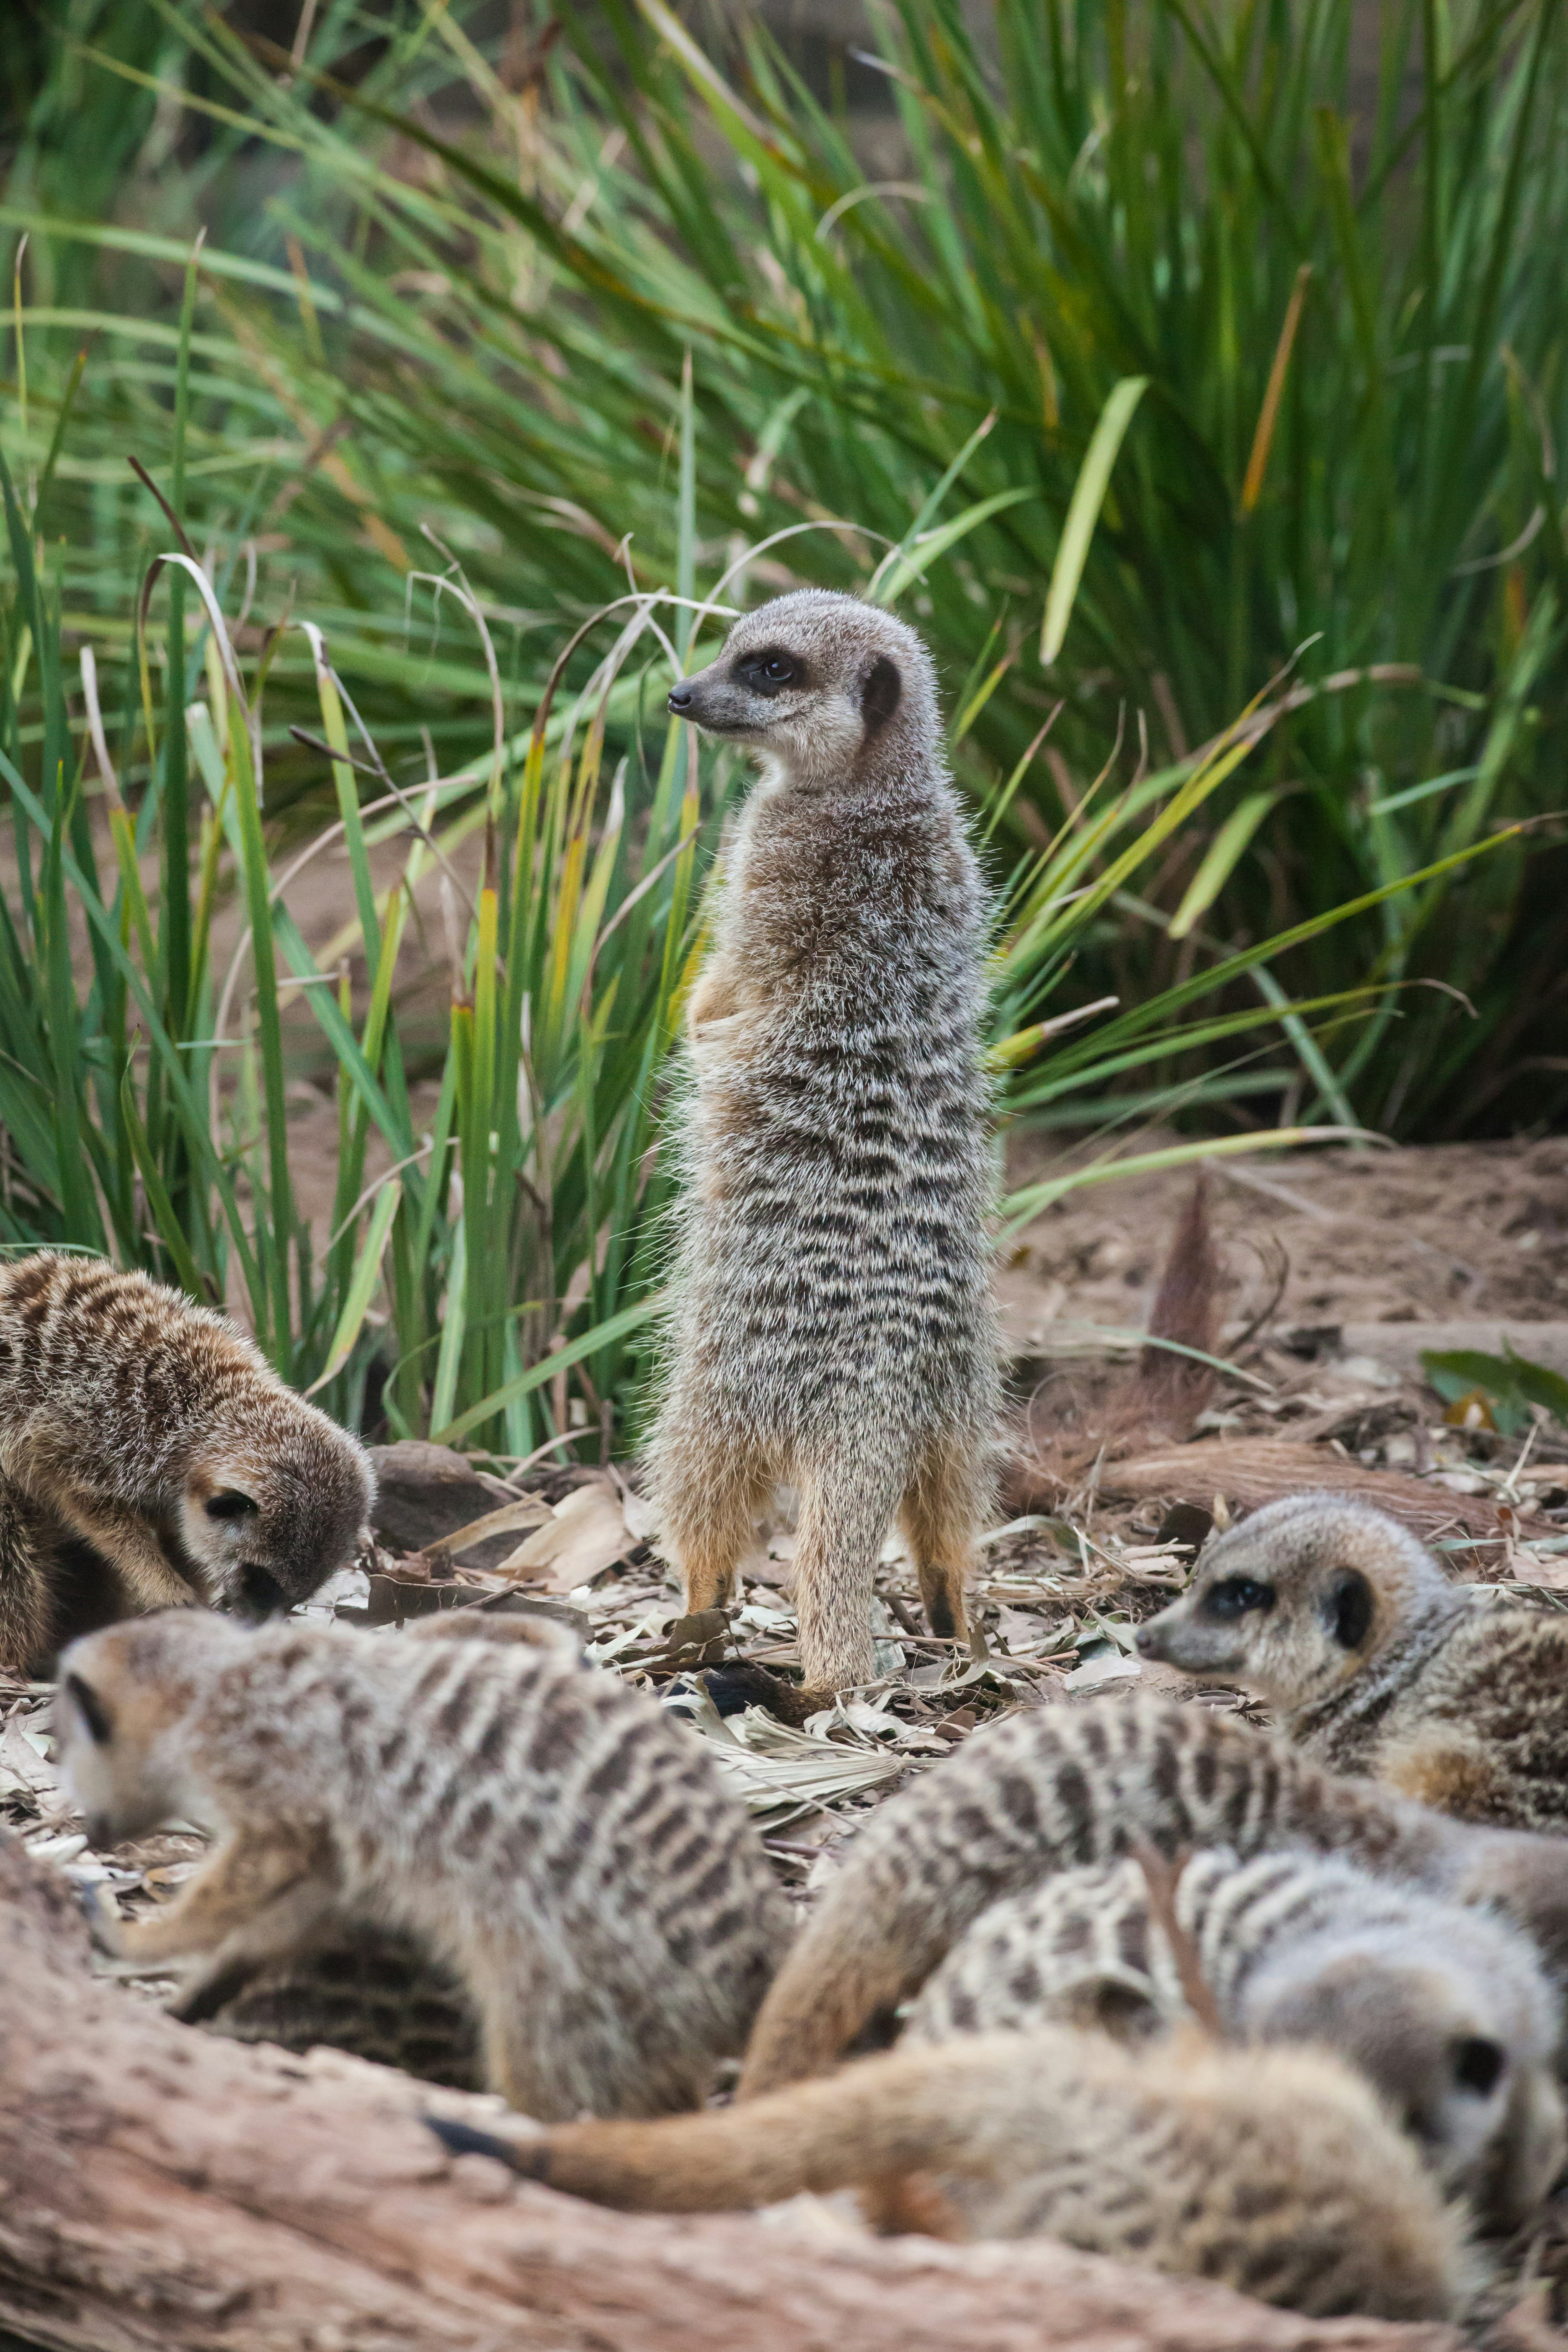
(771, 670)
(1477, 2064)
(91, 1710)
(1347, 1609)
(1238, 1595)
(230, 1505)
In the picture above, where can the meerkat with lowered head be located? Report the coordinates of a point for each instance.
(541, 1829)
(154, 1432)
(1052, 1789)
(833, 1320)
(1273, 2170)
(1376, 1661)
(1446, 2009)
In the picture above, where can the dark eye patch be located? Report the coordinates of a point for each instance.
(91, 1710)
(1237, 1596)
(1347, 1609)
(770, 670)
(230, 1505)
(1478, 2064)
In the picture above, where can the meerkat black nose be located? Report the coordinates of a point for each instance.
(260, 1594)
(680, 700)
(1150, 1641)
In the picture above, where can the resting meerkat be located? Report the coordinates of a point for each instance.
(1446, 2009)
(154, 1431)
(1274, 2171)
(1052, 1789)
(1376, 1661)
(832, 1321)
(541, 1829)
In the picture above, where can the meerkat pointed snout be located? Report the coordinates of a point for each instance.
(154, 1431)
(1377, 1662)
(832, 1323)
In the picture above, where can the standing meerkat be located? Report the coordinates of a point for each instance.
(1052, 1789)
(1446, 2009)
(541, 1830)
(1376, 1661)
(833, 1319)
(154, 1431)
(1275, 2170)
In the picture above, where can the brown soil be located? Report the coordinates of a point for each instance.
(1436, 1233)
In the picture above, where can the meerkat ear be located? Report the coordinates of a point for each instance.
(1347, 1609)
(91, 1710)
(879, 695)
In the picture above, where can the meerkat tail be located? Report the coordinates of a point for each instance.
(884, 2115)
(1276, 2171)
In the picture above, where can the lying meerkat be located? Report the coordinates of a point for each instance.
(541, 1829)
(154, 1432)
(1053, 1788)
(1376, 1661)
(1274, 2171)
(832, 1324)
(1446, 2009)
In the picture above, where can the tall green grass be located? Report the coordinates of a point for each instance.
(483, 273)
(489, 1278)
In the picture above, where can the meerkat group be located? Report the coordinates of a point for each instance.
(1278, 2065)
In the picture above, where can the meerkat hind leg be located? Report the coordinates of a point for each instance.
(846, 1507)
(941, 1514)
(710, 1517)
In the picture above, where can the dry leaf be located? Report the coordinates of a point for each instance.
(1110, 1667)
(586, 1532)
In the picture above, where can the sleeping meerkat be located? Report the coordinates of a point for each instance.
(156, 1432)
(539, 1828)
(1376, 1661)
(1446, 2009)
(1274, 2171)
(1052, 1789)
(832, 1322)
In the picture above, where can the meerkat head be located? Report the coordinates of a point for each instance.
(272, 1508)
(120, 1709)
(1459, 2037)
(1297, 1599)
(813, 680)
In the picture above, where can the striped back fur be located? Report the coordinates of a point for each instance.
(156, 1434)
(546, 1833)
(1054, 1788)
(1445, 2008)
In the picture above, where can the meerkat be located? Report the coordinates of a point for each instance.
(832, 1323)
(1376, 1661)
(369, 1992)
(541, 1830)
(155, 1432)
(1446, 2009)
(1274, 2171)
(1050, 1788)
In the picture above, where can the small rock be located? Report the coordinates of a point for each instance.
(423, 1491)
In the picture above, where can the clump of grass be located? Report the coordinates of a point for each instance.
(488, 1277)
(1320, 239)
